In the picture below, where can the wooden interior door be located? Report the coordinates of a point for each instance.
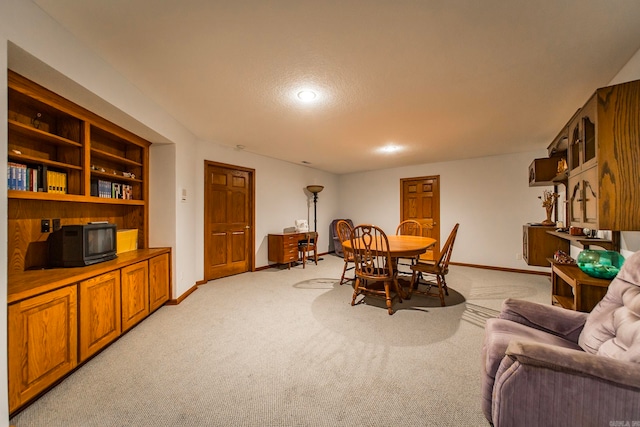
(228, 220)
(420, 200)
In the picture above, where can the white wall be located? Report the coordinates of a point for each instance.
(162, 188)
(490, 197)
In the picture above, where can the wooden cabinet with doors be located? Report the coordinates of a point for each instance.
(603, 190)
(75, 167)
(42, 342)
(100, 320)
(135, 293)
(58, 318)
(543, 172)
(601, 146)
(582, 137)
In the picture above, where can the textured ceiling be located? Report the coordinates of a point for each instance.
(441, 79)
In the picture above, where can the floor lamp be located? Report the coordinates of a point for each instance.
(315, 189)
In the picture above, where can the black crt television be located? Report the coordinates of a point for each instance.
(80, 245)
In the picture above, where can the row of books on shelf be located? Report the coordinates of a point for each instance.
(26, 178)
(111, 190)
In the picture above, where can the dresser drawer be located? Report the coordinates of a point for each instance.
(290, 258)
(290, 251)
(291, 240)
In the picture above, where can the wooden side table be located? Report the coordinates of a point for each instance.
(574, 289)
(283, 247)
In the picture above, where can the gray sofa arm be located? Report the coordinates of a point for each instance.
(555, 320)
(543, 385)
(576, 362)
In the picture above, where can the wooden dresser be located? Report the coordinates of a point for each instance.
(283, 248)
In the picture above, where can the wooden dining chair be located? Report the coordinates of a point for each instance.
(310, 244)
(438, 268)
(344, 230)
(409, 227)
(373, 265)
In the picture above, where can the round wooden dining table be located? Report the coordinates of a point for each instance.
(403, 246)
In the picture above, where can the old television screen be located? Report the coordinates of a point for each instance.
(99, 241)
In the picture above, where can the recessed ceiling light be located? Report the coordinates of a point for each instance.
(307, 95)
(390, 148)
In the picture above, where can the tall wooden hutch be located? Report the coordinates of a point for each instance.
(600, 146)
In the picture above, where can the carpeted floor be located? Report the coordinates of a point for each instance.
(285, 348)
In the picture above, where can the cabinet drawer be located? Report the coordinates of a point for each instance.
(290, 257)
(293, 250)
(291, 240)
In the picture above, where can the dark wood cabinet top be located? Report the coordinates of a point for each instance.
(26, 284)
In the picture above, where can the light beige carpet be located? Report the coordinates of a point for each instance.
(285, 348)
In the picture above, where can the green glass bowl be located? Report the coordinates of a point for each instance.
(600, 264)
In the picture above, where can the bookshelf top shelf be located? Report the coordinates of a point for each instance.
(108, 156)
(32, 132)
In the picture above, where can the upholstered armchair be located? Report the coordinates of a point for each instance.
(548, 366)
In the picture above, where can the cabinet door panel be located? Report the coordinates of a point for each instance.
(43, 343)
(575, 146)
(159, 280)
(135, 294)
(100, 317)
(574, 197)
(588, 127)
(590, 195)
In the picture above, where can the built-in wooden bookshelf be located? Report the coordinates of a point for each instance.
(60, 317)
(48, 133)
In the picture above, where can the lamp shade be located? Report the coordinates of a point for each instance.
(315, 188)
